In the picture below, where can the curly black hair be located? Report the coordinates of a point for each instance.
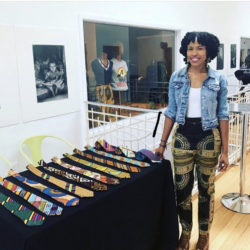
(210, 41)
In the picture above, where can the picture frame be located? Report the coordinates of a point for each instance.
(27, 38)
(220, 57)
(233, 57)
(9, 95)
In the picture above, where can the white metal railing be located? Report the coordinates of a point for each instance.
(134, 127)
(235, 125)
(119, 125)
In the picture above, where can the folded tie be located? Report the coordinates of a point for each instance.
(65, 199)
(41, 204)
(29, 217)
(91, 174)
(72, 188)
(88, 183)
(107, 170)
(106, 146)
(108, 162)
(119, 158)
(127, 152)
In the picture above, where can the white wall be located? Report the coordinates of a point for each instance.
(228, 20)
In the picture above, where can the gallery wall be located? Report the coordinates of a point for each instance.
(25, 23)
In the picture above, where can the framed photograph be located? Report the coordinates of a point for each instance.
(50, 72)
(220, 58)
(9, 95)
(233, 56)
(48, 76)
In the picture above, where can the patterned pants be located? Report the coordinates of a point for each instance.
(194, 148)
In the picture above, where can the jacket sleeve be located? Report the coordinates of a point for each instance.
(172, 107)
(222, 107)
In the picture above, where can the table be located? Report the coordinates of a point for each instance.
(240, 202)
(137, 214)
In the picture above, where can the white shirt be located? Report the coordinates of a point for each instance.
(119, 75)
(194, 103)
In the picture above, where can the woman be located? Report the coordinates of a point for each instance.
(198, 104)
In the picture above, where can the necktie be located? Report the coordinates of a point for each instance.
(127, 152)
(119, 158)
(108, 162)
(107, 170)
(72, 188)
(88, 183)
(91, 174)
(104, 144)
(41, 204)
(65, 199)
(29, 217)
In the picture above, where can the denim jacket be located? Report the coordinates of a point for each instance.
(214, 106)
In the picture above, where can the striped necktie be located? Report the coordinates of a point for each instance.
(28, 217)
(41, 204)
(119, 158)
(65, 199)
(107, 147)
(91, 174)
(86, 182)
(127, 152)
(72, 188)
(108, 162)
(107, 170)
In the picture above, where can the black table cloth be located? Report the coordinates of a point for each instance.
(137, 214)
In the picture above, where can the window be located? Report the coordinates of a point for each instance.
(245, 53)
(128, 65)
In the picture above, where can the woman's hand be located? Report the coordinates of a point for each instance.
(159, 151)
(223, 162)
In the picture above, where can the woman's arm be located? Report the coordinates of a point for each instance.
(170, 114)
(168, 125)
(224, 128)
(223, 117)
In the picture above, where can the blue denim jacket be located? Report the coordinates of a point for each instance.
(214, 104)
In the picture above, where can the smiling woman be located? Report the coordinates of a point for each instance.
(198, 103)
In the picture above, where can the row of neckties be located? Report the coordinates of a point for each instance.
(98, 182)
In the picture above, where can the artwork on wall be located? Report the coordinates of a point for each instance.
(233, 56)
(50, 72)
(220, 58)
(9, 96)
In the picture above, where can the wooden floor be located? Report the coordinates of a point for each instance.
(230, 230)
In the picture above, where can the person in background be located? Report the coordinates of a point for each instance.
(119, 74)
(198, 104)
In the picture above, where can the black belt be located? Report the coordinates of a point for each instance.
(196, 120)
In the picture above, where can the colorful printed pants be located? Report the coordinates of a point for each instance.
(194, 147)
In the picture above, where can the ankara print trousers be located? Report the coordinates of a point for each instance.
(194, 149)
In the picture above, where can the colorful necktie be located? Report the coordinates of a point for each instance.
(65, 199)
(108, 162)
(41, 204)
(91, 174)
(72, 188)
(104, 144)
(29, 217)
(119, 158)
(88, 183)
(127, 152)
(107, 170)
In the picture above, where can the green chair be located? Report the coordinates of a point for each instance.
(7, 163)
(34, 145)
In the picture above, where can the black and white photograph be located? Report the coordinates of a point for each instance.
(220, 58)
(233, 56)
(50, 72)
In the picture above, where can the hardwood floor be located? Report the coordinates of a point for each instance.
(230, 230)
